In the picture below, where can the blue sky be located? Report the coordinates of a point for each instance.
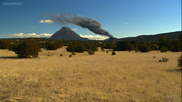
(121, 18)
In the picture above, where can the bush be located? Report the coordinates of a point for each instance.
(102, 49)
(164, 49)
(134, 43)
(113, 53)
(13, 46)
(58, 44)
(176, 46)
(144, 47)
(70, 55)
(51, 46)
(91, 52)
(109, 45)
(180, 61)
(163, 42)
(124, 46)
(4, 44)
(76, 47)
(70, 47)
(91, 46)
(73, 53)
(27, 48)
(79, 47)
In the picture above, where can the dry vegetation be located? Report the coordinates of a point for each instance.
(131, 77)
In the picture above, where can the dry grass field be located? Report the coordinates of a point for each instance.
(102, 77)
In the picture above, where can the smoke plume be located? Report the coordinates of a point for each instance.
(83, 22)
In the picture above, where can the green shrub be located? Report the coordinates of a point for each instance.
(70, 47)
(102, 49)
(51, 46)
(5, 44)
(73, 53)
(70, 55)
(134, 43)
(91, 52)
(27, 48)
(176, 46)
(13, 46)
(79, 47)
(109, 45)
(76, 47)
(124, 46)
(58, 44)
(180, 61)
(163, 42)
(164, 49)
(113, 53)
(91, 46)
(144, 47)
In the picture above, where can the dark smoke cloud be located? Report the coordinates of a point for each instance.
(83, 22)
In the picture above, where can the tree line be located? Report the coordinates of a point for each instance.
(30, 47)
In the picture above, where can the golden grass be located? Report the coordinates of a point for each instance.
(131, 77)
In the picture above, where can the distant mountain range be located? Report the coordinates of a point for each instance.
(153, 38)
(67, 34)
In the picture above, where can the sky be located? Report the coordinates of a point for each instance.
(121, 18)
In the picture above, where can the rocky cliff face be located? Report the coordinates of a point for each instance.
(67, 34)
